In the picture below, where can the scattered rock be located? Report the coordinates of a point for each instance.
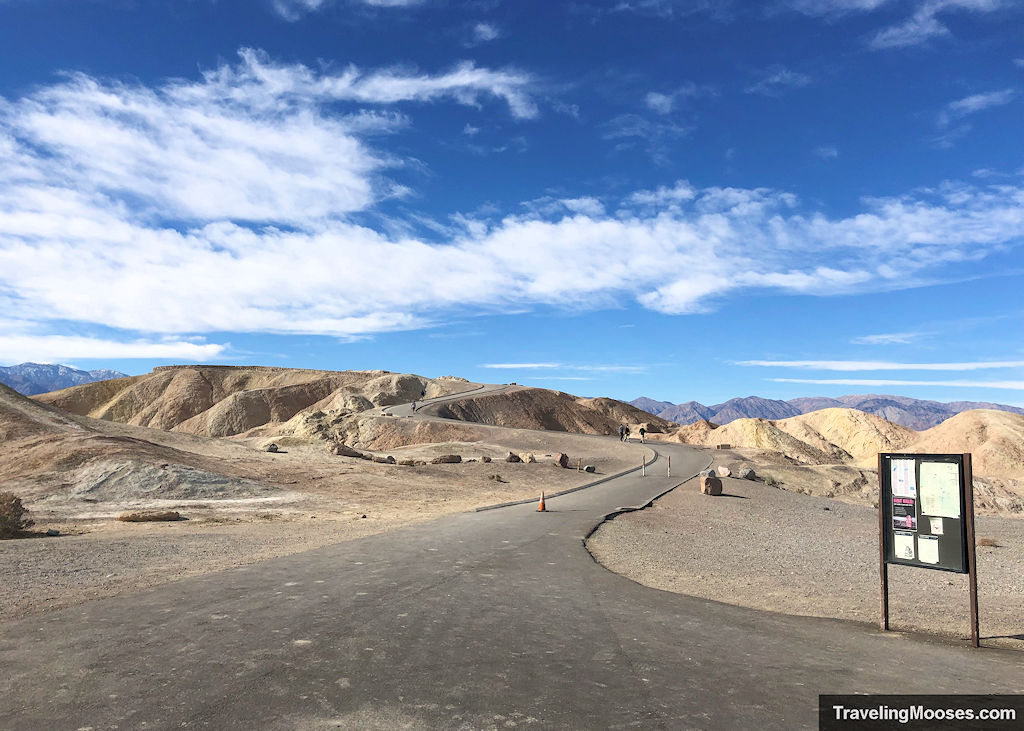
(708, 473)
(52, 532)
(343, 450)
(412, 462)
(446, 459)
(271, 447)
(747, 473)
(485, 459)
(589, 468)
(528, 457)
(513, 458)
(722, 471)
(496, 478)
(362, 516)
(146, 516)
(563, 460)
(384, 460)
(710, 485)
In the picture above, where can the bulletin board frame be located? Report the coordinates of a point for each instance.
(926, 519)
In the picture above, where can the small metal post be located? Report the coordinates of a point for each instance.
(643, 466)
(972, 566)
(669, 466)
(883, 567)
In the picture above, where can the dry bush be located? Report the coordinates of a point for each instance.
(990, 542)
(12, 516)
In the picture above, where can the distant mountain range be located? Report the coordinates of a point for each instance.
(913, 413)
(32, 378)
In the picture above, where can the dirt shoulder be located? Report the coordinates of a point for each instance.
(767, 548)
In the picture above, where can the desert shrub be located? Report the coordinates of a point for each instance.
(12, 516)
(990, 542)
(771, 481)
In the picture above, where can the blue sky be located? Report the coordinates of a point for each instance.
(684, 200)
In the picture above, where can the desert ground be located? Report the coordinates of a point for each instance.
(779, 550)
(801, 540)
(240, 503)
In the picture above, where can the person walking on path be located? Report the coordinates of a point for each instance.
(642, 433)
(626, 439)
(622, 433)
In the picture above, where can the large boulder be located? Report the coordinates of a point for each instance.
(271, 447)
(722, 471)
(446, 459)
(343, 450)
(562, 460)
(710, 485)
(589, 468)
(708, 473)
(512, 457)
(528, 457)
(747, 473)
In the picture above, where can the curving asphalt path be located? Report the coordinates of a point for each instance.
(497, 619)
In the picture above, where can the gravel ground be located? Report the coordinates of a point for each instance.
(766, 548)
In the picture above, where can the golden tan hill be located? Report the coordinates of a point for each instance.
(856, 433)
(229, 400)
(828, 436)
(758, 434)
(538, 408)
(995, 440)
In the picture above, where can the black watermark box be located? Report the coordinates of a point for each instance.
(861, 712)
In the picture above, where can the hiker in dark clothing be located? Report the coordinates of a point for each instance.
(642, 433)
(622, 432)
(627, 434)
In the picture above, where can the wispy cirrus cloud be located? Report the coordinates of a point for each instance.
(975, 103)
(879, 365)
(776, 80)
(886, 339)
(1007, 385)
(47, 348)
(924, 24)
(295, 9)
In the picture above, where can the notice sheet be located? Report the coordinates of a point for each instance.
(940, 489)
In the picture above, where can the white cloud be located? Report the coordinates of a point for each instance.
(873, 365)
(886, 339)
(485, 32)
(632, 130)
(660, 103)
(54, 348)
(1009, 385)
(223, 206)
(777, 79)
(827, 152)
(247, 142)
(1019, 63)
(470, 130)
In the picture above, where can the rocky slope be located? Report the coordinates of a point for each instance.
(227, 400)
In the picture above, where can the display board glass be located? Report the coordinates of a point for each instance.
(924, 509)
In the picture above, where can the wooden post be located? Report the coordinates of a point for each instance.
(643, 466)
(669, 466)
(972, 566)
(883, 567)
(579, 464)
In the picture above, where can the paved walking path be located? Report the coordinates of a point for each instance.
(497, 619)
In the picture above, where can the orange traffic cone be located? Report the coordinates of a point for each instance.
(541, 508)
